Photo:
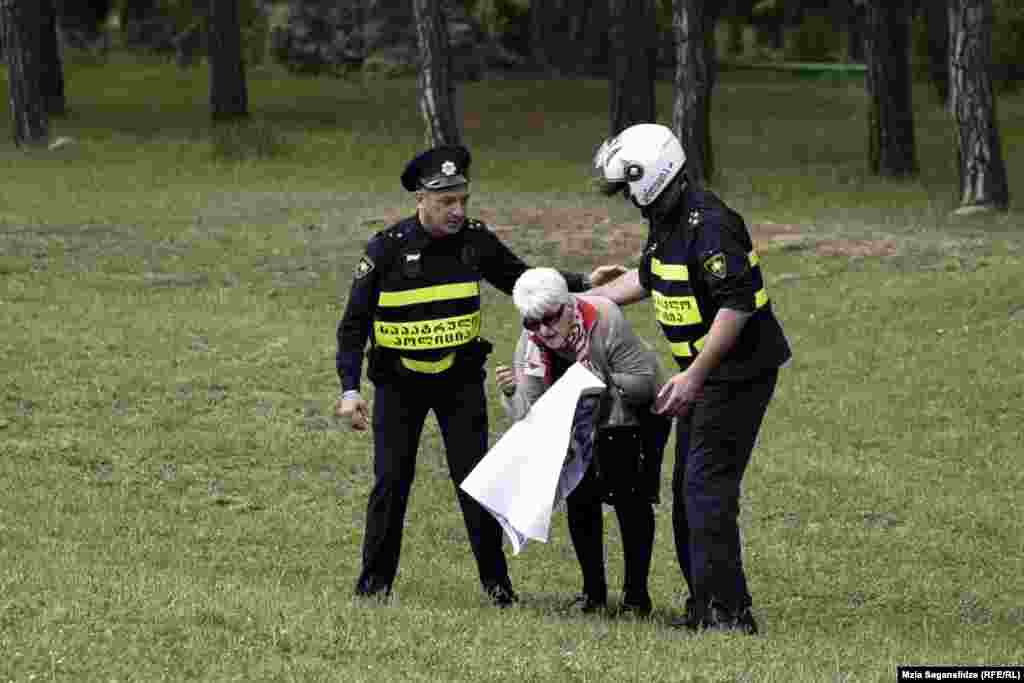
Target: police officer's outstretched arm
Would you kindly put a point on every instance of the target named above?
(353, 331)
(502, 268)
(623, 290)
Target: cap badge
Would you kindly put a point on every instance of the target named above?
(448, 168)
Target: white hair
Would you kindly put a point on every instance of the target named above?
(538, 291)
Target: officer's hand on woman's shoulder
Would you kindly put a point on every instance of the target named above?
(605, 274)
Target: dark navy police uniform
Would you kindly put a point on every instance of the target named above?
(416, 299)
(697, 260)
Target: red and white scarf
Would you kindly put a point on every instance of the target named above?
(538, 357)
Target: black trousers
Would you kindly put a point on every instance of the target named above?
(399, 411)
(635, 512)
(713, 446)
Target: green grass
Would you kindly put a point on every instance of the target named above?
(177, 503)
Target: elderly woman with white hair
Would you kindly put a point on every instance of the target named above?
(561, 329)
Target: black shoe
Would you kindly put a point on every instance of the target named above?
(720, 619)
(501, 596)
(372, 590)
(585, 604)
(639, 609)
(691, 621)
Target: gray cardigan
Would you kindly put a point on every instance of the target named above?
(622, 360)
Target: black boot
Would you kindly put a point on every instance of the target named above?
(586, 604)
(691, 620)
(501, 595)
(741, 621)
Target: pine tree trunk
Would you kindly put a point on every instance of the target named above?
(632, 35)
(691, 115)
(138, 19)
(21, 23)
(855, 34)
(51, 68)
(891, 148)
(983, 178)
(229, 98)
(594, 49)
(436, 85)
(540, 30)
(936, 18)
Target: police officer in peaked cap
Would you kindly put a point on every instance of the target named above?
(713, 307)
(415, 298)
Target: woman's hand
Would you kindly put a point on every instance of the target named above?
(505, 378)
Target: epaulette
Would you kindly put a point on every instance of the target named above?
(705, 206)
(397, 232)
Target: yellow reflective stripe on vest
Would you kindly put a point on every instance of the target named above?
(687, 349)
(458, 290)
(676, 310)
(761, 298)
(431, 367)
(675, 272)
(428, 334)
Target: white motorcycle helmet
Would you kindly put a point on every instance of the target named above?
(641, 160)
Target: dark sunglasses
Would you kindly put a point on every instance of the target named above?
(533, 324)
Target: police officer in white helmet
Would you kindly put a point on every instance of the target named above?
(705, 280)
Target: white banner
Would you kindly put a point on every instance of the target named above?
(524, 477)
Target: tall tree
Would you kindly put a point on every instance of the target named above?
(21, 22)
(541, 29)
(983, 179)
(51, 68)
(694, 83)
(229, 98)
(891, 148)
(139, 22)
(436, 85)
(593, 47)
(936, 19)
(632, 37)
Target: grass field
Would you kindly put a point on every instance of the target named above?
(177, 503)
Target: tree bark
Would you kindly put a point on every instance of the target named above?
(632, 35)
(541, 21)
(891, 148)
(856, 39)
(594, 48)
(936, 18)
(229, 98)
(21, 22)
(436, 85)
(983, 178)
(694, 82)
(51, 68)
(138, 19)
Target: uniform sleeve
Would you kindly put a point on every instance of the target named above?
(724, 263)
(502, 268)
(631, 363)
(355, 326)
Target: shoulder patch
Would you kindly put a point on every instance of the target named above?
(716, 265)
(363, 268)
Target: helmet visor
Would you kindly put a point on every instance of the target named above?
(607, 175)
